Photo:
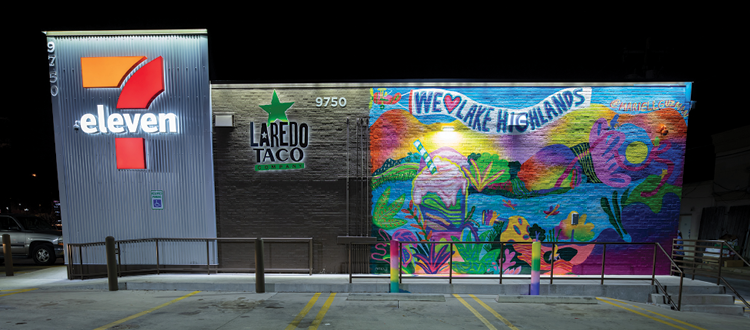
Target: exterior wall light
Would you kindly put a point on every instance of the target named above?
(223, 119)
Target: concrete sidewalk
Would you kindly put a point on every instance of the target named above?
(619, 287)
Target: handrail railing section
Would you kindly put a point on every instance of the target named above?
(72, 248)
(659, 287)
(706, 258)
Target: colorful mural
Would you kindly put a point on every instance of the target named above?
(513, 164)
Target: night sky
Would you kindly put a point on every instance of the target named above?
(385, 44)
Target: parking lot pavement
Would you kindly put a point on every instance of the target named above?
(46, 309)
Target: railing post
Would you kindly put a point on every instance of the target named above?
(552, 263)
(450, 264)
(109, 246)
(721, 255)
(157, 256)
(310, 258)
(119, 260)
(502, 255)
(679, 299)
(69, 256)
(653, 266)
(350, 261)
(8, 255)
(604, 254)
(208, 259)
(80, 259)
(260, 279)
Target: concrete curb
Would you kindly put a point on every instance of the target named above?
(395, 297)
(546, 299)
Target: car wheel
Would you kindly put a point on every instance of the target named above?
(43, 255)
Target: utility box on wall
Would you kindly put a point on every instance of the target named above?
(132, 116)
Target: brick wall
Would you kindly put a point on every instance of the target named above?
(309, 202)
(611, 155)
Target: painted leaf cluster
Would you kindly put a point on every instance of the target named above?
(487, 169)
(384, 214)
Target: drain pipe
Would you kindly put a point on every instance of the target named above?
(347, 176)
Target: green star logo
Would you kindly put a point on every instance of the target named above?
(277, 109)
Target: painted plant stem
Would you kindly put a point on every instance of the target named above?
(615, 213)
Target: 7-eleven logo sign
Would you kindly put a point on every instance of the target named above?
(138, 92)
(110, 72)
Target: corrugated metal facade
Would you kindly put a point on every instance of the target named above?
(97, 199)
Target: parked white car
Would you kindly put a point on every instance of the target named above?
(32, 237)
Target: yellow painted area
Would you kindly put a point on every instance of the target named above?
(14, 291)
(145, 312)
(474, 311)
(641, 314)
(100, 72)
(655, 313)
(636, 152)
(304, 312)
(517, 230)
(319, 318)
(498, 316)
(574, 127)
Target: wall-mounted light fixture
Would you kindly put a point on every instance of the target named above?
(223, 119)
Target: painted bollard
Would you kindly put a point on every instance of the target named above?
(394, 266)
(536, 253)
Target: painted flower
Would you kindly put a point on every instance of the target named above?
(489, 217)
(552, 211)
(510, 204)
(579, 232)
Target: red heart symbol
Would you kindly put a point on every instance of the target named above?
(451, 102)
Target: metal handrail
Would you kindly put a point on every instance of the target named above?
(723, 245)
(550, 275)
(158, 269)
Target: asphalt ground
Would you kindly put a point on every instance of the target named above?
(45, 309)
(60, 307)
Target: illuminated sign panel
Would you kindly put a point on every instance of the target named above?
(139, 90)
(281, 143)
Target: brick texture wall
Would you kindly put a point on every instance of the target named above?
(309, 202)
(612, 155)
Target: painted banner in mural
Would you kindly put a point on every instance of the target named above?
(573, 165)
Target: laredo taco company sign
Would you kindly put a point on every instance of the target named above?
(279, 144)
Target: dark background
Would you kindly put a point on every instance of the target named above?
(285, 43)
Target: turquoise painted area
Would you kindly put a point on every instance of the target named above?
(584, 199)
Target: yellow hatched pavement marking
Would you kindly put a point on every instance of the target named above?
(474, 311)
(510, 325)
(304, 312)
(145, 312)
(14, 291)
(641, 314)
(322, 312)
(655, 313)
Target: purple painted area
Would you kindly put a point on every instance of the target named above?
(643, 225)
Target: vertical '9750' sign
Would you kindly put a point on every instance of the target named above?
(53, 70)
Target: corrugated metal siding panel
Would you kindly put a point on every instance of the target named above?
(97, 200)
